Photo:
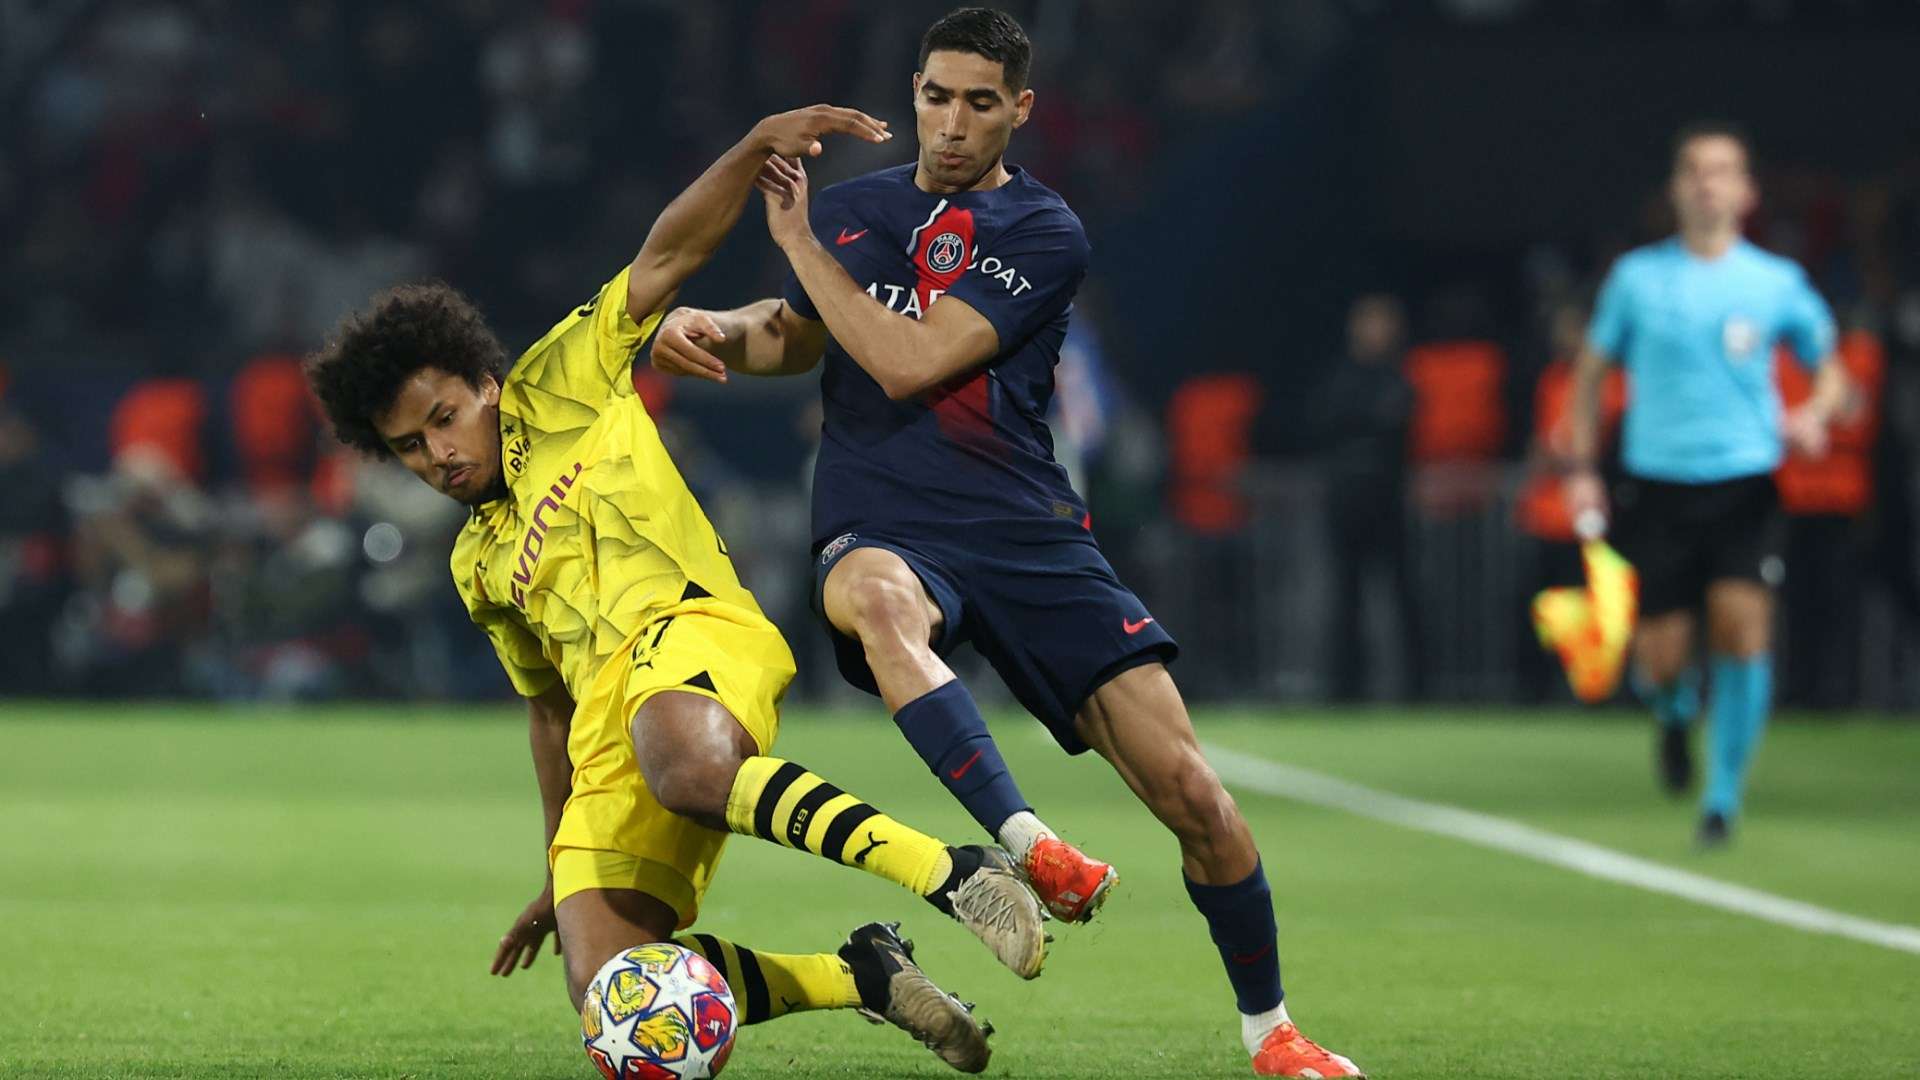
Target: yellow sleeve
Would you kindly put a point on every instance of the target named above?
(589, 355)
(526, 666)
(618, 331)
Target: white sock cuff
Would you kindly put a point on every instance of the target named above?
(1255, 1027)
(1020, 832)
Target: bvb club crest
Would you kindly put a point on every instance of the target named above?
(515, 454)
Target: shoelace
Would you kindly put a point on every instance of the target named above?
(981, 902)
(1300, 1044)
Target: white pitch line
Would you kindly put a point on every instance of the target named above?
(1305, 785)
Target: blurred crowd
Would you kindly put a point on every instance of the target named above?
(191, 194)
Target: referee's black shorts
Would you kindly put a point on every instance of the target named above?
(1682, 537)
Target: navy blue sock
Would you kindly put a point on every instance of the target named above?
(947, 730)
(1240, 921)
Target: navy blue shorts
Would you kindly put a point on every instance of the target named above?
(1044, 608)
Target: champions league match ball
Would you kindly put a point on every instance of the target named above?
(658, 1012)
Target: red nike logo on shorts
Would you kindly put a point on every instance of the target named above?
(1132, 627)
(846, 237)
(962, 770)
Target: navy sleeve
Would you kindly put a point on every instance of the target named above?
(797, 298)
(1027, 277)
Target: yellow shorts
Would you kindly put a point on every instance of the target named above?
(613, 834)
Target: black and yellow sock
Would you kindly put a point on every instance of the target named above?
(779, 801)
(767, 985)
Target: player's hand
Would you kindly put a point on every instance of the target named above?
(784, 183)
(522, 941)
(1586, 499)
(798, 133)
(680, 346)
(1807, 433)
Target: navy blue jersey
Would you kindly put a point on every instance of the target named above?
(977, 448)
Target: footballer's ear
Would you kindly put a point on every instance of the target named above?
(1023, 106)
(489, 388)
(916, 86)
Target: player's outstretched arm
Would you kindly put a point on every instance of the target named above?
(688, 231)
(549, 719)
(764, 338)
(904, 355)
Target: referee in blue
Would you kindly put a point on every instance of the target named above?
(1695, 319)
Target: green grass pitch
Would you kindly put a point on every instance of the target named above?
(198, 892)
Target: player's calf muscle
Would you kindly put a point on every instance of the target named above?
(1187, 796)
(1139, 724)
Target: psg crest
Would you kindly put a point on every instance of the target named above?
(945, 252)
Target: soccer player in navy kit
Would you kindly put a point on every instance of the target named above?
(1694, 319)
(938, 294)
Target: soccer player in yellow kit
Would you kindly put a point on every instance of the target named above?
(653, 679)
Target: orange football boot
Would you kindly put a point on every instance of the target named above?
(1070, 885)
(1288, 1053)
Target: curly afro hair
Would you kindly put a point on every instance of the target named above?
(409, 327)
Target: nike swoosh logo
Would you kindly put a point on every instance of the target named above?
(1132, 627)
(962, 770)
(846, 237)
(1239, 959)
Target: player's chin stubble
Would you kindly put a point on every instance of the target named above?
(495, 489)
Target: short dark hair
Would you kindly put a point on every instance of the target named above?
(986, 32)
(409, 327)
(1712, 129)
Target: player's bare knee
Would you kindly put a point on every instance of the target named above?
(1660, 663)
(887, 611)
(695, 787)
(1742, 641)
(691, 779)
(688, 748)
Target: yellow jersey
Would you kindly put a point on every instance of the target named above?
(597, 532)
